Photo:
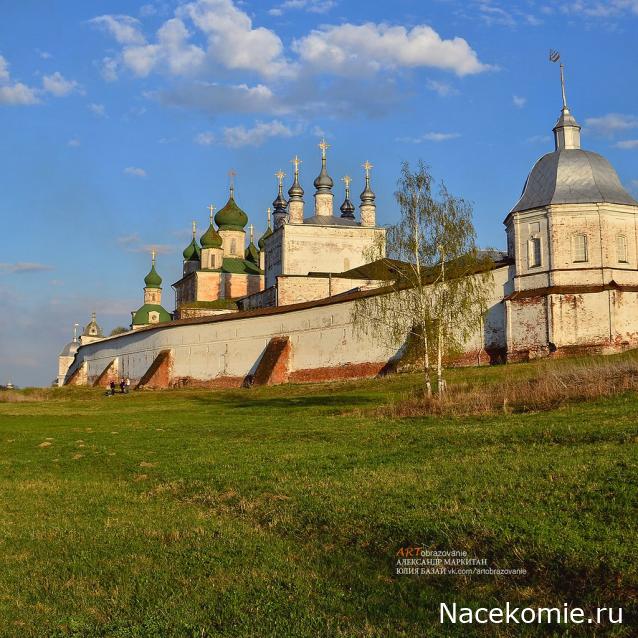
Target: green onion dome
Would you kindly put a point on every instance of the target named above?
(230, 217)
(142, 316)
(211, 238)
(262, 240)
(191, 252)
(252, 254)
(153, 280)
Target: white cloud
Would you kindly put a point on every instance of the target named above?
(312, 6)
(239, 136)
(217, 98)
(18, 94)
(109, 69)
(611, 123)
(22, 267)
(432, 136)
(125, 29)
(45, 55)
(539, 139)
(74, 142)
(600, 8)
(135, 171)
(171, 51)
(99, 110)
(627, 144)
(518, 101)
(58, 85)
(441, 88)
(233, 41)
(4, 69)
(349, 49)
(205, 138)
(147, 10)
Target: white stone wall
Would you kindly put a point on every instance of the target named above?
(321, 337)
(297, 249)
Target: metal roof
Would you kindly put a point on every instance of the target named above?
(572, 176)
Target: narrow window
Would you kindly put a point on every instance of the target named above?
(579, 248)
(534, 248)
(621, 248)
(233, 246)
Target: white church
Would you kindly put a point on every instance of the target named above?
(281, 310)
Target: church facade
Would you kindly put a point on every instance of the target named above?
(281, 310)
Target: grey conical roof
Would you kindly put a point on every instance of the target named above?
(572, 176)
(368, 196)
(295, 192)
(323, 182)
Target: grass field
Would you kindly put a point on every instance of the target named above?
(278, 511)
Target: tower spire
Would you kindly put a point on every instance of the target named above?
(280, 204)
(567, 129)
(268, 212)
(347, 208)
(194, 227)
(232, 174)
(211, 210)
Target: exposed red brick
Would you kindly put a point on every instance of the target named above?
(273, 365)
(75, 378)
(219, 383)
(348, 371)
(107, 375)
(159, 373)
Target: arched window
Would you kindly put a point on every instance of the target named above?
(621, 248)
(534, 252)
(212, 261)
(579, 248)
(233, 247)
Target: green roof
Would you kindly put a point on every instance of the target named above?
(153, 280)
(191, 252)
(231, 217)
(218, 304)
(238, 266)
(211, 238)
(141, 316)
(263, 238)
(252, 254)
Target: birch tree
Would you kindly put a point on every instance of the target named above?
(439, 292)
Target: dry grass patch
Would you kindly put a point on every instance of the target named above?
(550, 388)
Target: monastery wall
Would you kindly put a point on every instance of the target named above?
(224, 350)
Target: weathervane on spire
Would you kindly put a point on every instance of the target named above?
(211, 210)
(231, 175)
(554, 56)
(323, 145)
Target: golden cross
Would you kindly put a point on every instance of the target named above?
(323, 145)
(280, 176)
(346, 179)
(296, 161)
(153, 253)
(211, 208)
(194, 228)
(367, 166)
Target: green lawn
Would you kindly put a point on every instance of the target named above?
(278, 512)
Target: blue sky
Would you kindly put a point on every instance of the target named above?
(120, 121)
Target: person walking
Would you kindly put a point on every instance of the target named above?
(122, 385)
(112, 386)
(128, 385)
